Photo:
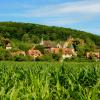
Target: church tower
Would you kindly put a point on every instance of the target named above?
(69, 42)
(41, 42)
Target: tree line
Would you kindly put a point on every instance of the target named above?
(28, 32)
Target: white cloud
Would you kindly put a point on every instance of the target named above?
(68, 13)
(80, 7)
(84, 7)
(60, 21)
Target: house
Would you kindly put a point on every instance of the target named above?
(68, 53)
(59, 45)
(34, 53)
(93, 54)
(47, 45)
(17, 53)
(65, 45)
(65, 48)
(69, 42)
(8, 46)
(65, 52)
(55, 50)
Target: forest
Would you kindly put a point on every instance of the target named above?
(24, 36)
(30, 32)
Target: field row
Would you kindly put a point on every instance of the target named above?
(49, 81)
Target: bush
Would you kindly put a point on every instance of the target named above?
(77, 59)
(5, 54)
(21, 58)
(46, 57)
(49, 57)
(56, 57)
(24, 46)
(40, 48)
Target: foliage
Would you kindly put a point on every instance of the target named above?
(4, 42)
(26, 38)
(80, 50)
(40, 48)
(24, 46)
(49, 81)
(49, 57)
(5, 54)
(34, 39)
(56, 57)
(21, 58)
(46, 57)
(34, 32)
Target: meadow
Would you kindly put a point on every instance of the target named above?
(49, 80)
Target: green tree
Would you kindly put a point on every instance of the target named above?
(80, 50)
(34, 39)
(4, 42)
(5, 54)
(56, 57)
(46, 57)
(26, 38)
(40, 48)
(89, 44)
(25, 46)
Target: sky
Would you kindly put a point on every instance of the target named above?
(76, 14)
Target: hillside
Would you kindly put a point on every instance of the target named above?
(35, 32)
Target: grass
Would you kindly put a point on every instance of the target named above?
(49, 81)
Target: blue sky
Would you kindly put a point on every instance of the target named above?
(77, 14)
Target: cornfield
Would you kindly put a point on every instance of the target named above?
(49, 81)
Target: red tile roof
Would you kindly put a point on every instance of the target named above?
(67, 51)
(33, 52)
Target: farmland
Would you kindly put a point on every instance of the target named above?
(49, 80)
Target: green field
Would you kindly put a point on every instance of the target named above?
(49, 81)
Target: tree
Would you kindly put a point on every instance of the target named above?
(26, 38)
(80, 50)
(46, 57)
(89, 44)
(40, 48)
(25, 46)
(5, 54)
(56, 57)
(34, 39)
(4, 42)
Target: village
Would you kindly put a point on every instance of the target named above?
(66, 49)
